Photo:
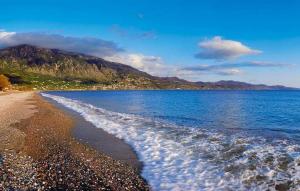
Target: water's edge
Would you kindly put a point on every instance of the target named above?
(85, 132)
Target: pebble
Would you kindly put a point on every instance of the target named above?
(62, 163)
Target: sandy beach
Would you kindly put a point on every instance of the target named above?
(40, 150)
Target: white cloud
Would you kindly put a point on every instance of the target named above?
(151, 64)
(141, 61)
(6, 35)
(230, 72)
(86, 45)
(221, 49)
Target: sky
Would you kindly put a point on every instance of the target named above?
(256, 41)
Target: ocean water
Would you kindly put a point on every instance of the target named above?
(202, 140)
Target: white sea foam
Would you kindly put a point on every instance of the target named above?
(182, 158)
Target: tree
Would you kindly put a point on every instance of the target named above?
(4, 82)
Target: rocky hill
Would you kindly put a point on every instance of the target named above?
(34, 67)
(43, 68)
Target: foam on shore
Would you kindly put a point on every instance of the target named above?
(184, 158)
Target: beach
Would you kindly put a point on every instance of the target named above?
(44, 147)
(86, 133)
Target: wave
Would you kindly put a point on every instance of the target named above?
(182, 158)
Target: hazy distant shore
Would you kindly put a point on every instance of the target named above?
(38, 150)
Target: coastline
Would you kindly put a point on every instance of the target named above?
(86, 133)
(48, 155)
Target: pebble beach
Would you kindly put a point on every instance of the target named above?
(39, 152)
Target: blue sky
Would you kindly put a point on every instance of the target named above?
(195, 40)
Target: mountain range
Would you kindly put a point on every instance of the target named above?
(31, 67)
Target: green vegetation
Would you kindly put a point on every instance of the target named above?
(23, 77)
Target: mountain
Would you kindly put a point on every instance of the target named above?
(235, 85)
(31, 67)
(42, 68)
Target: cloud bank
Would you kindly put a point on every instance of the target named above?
(86, 45)
(231, 68)
(218, 48)
(250, 64)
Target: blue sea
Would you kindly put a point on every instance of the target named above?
(202, 140)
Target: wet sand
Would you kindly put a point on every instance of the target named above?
(50, 158)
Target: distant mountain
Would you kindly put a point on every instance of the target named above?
(232, 85)
(41, 68)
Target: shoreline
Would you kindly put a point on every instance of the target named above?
(50, 157)
(86, 133)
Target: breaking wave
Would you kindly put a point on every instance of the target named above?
(184, 158)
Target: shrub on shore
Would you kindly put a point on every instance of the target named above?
(4, 82)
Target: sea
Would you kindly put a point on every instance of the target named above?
(201, 140)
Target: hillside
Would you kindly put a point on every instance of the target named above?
(41, 68)
(32, 67)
